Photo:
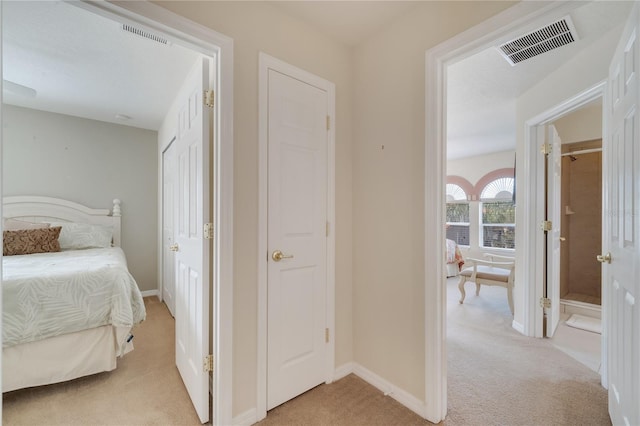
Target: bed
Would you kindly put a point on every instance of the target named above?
(454, 260)
(67, 313)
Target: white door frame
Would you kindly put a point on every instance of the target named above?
(161, 217)
(534, 133)
(267, 63)
(523, 17)
(208, 42)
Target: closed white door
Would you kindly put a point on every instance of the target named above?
(192, 249)
(621, 277)
(554, 175)
(297, 226)
(169, 173)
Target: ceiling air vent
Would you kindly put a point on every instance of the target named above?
(145, 34)
(540, 41)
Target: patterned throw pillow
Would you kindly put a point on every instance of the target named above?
(28, 241)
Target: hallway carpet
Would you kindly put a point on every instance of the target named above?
(496, 377)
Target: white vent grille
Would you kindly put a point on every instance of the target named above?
(145, 34)
(536, 43)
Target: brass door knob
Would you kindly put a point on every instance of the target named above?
(278, 256)
(604, 259)
(174, 247)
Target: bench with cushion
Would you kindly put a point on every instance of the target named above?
(496, 271)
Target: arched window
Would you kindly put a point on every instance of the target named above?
(498, 214)
(457, 214)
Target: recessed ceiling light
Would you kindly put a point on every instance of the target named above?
(123, 117)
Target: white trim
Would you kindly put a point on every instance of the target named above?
(517, 326)
(267, 62)
(534, 162)
(344, 370)
(534, 190)
(520, 18)
(403, 397)
(245, 419)
(209, 42)
(149, 293)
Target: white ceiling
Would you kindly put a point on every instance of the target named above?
(85, 65)
(482, 89)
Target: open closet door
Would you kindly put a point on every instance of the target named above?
(192, 248)
(621, 227)
(554, 174)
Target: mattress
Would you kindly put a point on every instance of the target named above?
(51, 294)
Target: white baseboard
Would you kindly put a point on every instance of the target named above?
(149, 293)
(343, 371)
(400, 395)
(245, 419)
(518, 327)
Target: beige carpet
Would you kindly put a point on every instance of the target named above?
(348, 402)
(145, 389)
(499, 377)
(496, 377)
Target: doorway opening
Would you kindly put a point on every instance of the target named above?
(205, 41)
(574, 240)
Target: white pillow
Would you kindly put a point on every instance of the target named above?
(76, 236)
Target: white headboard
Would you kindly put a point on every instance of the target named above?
(42, 209)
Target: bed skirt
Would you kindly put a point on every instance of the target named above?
(61, 358)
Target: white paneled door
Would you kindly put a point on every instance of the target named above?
(169, 174)
(621, 260)
(554, 174)
(297, 242)
(191, 248)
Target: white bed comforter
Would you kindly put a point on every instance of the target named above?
(50, 294)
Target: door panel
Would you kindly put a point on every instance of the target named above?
(297, 217)
(621, 277)
(192, 257)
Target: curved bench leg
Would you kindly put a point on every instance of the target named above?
(463, 279)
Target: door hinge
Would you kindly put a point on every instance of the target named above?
(208, 363)
(326, 335)
(208, 231)
(545, 303)
(209, 97)
(545, 149)
(546, 225)
(328, 122)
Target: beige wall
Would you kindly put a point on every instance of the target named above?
(582, 125)
(89, 162)
(389, 188)
(255, 27)
(380, 95)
